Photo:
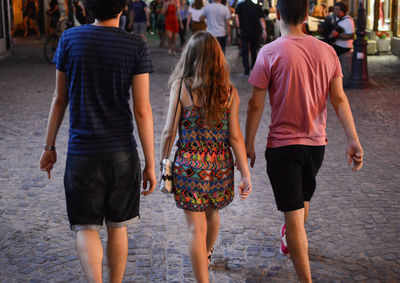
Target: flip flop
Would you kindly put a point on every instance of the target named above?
(209, 256)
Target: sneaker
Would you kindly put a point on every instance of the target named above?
(284, 249)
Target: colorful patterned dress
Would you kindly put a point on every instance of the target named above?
(203, 169)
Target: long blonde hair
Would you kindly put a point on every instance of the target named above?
(202, 64)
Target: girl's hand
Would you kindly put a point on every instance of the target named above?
(245, 187)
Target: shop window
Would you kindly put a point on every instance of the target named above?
(370, 14)
(385, 11)
(398, 19)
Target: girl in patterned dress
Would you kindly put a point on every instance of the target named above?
(207, 117)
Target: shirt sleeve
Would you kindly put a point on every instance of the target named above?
(204, 12)
(228, 13)
(338, 68)
(260, 75)
(260, 12)
(143, 60)
(348, 25)
(60, 57)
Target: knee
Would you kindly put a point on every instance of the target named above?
(198, 230)
(116, 231)
(212, 214)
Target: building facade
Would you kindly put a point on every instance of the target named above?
(5, 28)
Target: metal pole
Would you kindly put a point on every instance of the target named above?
(359, 70)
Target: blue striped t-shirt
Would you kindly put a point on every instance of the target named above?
(100, 63)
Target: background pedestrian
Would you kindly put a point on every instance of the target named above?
(299, 71)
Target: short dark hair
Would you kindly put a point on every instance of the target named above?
(293, 12)
(105, 9)
(342, 6)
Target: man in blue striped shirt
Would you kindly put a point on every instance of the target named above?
(97, 65)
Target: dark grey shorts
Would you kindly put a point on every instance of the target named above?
(140, 27)
(102, 187)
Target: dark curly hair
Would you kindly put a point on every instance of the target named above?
(105, 9)
(342, 6)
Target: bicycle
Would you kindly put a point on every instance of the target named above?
(51, 43)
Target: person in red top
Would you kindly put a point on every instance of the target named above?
(299, 72)
(171, 23)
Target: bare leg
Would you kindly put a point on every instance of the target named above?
(36, 28)
(117, 252)
(173, 43)
(212, 227)
(90, 251)
(298, 243)
(306, 210)
(169, 40)
(26, 26)
(197, 223)
(162, 38)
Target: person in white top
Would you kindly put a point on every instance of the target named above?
(344, 30)
(194, 21)
(218, 16)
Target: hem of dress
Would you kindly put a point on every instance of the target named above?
(205, 208)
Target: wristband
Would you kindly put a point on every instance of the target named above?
(49, 147)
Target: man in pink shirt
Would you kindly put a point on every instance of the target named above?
(298, 71)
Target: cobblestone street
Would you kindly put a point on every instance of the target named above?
(353, 228)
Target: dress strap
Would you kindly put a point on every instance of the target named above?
(228, 101)
(189, 92)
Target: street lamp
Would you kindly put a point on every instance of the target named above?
(359, 70)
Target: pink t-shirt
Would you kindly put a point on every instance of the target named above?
(297, 71)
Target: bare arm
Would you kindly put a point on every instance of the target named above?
(147, 11)
(255, 109)
(165, 7)
(264, 28)
(228, 30)
(56, 116)
(237, 143)
(336, 34)
(347, 35)
(171, 123)
(341, 105)
(144, 121)
(189, 19)
(179, 15)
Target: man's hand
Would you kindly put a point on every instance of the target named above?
(355, 154)
(334, 34)
(149, 177)
(49, 157)
(264, 35)
(245, 187)
(251, 154)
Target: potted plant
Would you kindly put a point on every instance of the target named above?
(383, 41)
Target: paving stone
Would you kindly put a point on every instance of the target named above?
(353, 228)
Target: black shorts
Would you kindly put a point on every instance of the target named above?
(102, 186)
(53, 22)
(292, 170)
